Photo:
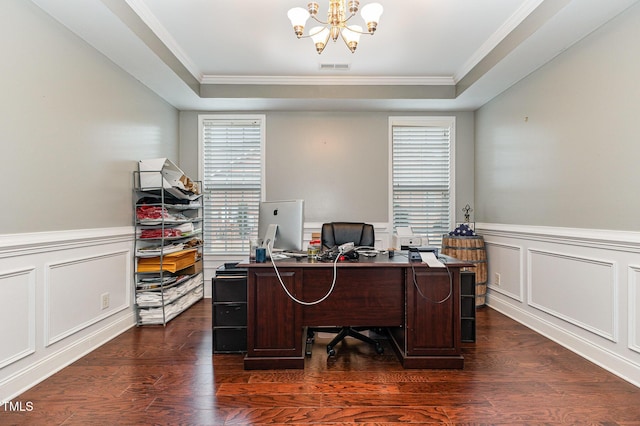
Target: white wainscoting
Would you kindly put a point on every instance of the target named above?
(579, 287)
(51, 286)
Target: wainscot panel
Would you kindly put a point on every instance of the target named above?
(555, 279)
(17, 314)
(634, 308)
(71, 305)
(509, 260)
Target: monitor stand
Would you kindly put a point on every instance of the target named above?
(270, 238)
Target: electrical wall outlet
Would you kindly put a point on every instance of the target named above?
(104, 299)
(496, 278)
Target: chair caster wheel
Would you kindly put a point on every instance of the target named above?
(331, 351)
(379, 349)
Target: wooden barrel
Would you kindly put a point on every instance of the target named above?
(472, 250)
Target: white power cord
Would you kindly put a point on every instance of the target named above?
(291, 296)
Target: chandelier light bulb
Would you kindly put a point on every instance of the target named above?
(351, 36)
(371, 14)
(320, 37)
(298, 17)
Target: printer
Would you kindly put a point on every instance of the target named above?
(403, 238)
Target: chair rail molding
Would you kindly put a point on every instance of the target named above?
(38, 242)
(582, 236)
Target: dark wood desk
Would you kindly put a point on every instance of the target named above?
(370, 292)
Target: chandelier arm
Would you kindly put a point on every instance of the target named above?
(315, 18)
(347, 19)
(311, 35)
(319, 21)
(359, 32)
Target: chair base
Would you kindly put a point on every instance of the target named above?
(342, 333)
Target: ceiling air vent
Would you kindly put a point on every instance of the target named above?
(335, 67)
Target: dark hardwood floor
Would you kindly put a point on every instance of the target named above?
(156, 375)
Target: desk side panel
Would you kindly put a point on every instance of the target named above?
(433, 312)
(275, 328)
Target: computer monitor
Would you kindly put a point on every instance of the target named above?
(285, 219)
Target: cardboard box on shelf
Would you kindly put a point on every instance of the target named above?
(193, 269)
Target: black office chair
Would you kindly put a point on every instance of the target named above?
(335, 234)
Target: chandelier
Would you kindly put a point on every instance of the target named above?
(336, 24)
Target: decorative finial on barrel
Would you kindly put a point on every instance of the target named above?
(467, 209)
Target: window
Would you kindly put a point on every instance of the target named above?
(422, 171)
(231, 164)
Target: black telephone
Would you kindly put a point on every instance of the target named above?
(414, 255)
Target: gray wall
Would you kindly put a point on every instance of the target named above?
(72, 127)
(336, 161)
(561, 148)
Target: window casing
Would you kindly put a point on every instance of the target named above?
(422, 175)
(232, 170)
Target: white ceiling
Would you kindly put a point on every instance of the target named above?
(243, 55)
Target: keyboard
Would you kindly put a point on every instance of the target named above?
(295, 253)
(278, 256)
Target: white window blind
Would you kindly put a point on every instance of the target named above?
(422, 176)
(232, 179)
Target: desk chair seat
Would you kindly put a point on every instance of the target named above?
(334, 234)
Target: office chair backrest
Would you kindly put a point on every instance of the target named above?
(337, 233)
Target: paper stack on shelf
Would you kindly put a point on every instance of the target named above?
(157, 250)
(155, 298)
(170, 262)
(159, 316)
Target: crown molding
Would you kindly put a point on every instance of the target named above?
(501, 34)
(329, 80)
(151, 21)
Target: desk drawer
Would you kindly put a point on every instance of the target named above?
(230, 289)
(229, 340)
(230, 314)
